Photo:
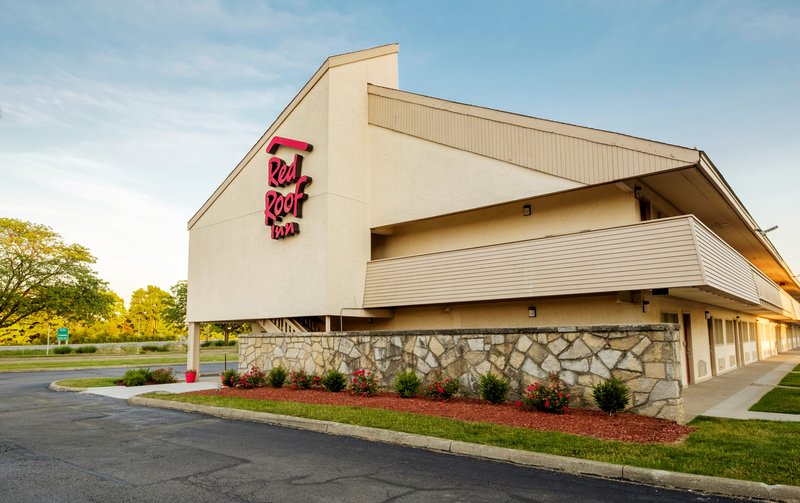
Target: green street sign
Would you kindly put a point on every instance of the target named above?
(63, 334)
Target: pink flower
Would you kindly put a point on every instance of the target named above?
(439, 389)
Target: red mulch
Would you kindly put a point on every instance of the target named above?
(624, 427)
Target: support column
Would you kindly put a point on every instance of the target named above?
(193, 354)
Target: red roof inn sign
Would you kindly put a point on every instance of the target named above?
(280, 174)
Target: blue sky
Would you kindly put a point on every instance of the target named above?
(118, 119)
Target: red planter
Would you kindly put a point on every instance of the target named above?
(191, 376)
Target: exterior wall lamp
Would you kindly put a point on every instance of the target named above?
(527, 210)
(531, 311)
(645, 306)
(708, 315)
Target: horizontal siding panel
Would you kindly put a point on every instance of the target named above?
(724, 268)
(651, 255)
(558, 154)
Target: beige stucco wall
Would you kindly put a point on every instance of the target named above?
(413, 179)
(564, 213)
(237, 272)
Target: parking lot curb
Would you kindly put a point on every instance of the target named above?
(673, 480)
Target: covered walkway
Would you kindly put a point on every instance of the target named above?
(731, 394)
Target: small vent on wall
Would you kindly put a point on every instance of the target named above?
(702, 368)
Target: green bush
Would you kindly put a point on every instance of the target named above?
(230, 378)
(612, 395)
(277, 376)
(205, 344)
(149, 347)
(136, 377)
(492, 388)
(407, 384)
(62, 350)
(442, 388)
(334, 381)
(162, 376)
(86, 349)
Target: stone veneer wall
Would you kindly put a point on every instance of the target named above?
(646, 357)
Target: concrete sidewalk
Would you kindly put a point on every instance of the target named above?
(124, 393)
(731, 394)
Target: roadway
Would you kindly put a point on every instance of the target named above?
(69, 447)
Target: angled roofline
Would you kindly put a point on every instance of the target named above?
(331, 62)
(602, 136)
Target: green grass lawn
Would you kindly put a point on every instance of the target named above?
(89, 382)
(94, 361)
(781, 400)
(791, 379)
(796, 369)
(749, 450)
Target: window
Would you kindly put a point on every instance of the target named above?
(669, 318)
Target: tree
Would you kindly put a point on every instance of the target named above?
(175, 312)
(39, 273)
(147, 309)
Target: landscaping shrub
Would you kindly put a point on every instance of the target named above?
(442, 388)
(363, 383)
(149, 347)
(407, 384)
(205, 344)
(334, 381)
(548, 396)
(277, 376)
(162, 376)
(300, 379)
(86, 349)
(492, 388)
(136, 377)
(62, 350)
(612, 395)
(253, 378)
(230, 378)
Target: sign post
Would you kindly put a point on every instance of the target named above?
(63, 334)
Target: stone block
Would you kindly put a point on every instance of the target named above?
(640, 398)
(533, 370)
(345, 345)
(551, 364)
(498, 339)
(624, 343)
(568, 377)
(597, 368)
(577, 350)
(516, 360)
(609, 357)
(475, 357)
(641, 384)
(436, 347)
(475, 344)
(557, 346)
(538, 353)
(594, 342)
(523, 343)
(576, 365)
(655, 370)
(430, 359)
(659, 352)
(639, 348)
(664, 390)
(630, 362)
(483, 367)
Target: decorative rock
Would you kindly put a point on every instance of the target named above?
(516, 360)
(594, 342)
(665, 389)
(577, 350)
(624, 344)
(538, 353)
(609, 357)
(655, 370)
(551, 364)
(557, 346)
(436, 347)
(576, 365)
(639, 348)
(483, 368)
(630, 362)
(531, 369)
(431, 361)
(345, 346)
(567, 377)
(597, 368)
(523, 343)
(475, 344)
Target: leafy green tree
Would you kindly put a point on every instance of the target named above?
(147, 309)
(39, 273)
(175, 313)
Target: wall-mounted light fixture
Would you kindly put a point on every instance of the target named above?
(531, 311)
(708, 315)
(645, 306)
(527, 210)
(765, 231)
(637, 192)
(446, 309)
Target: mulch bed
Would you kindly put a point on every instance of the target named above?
(597, 424)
